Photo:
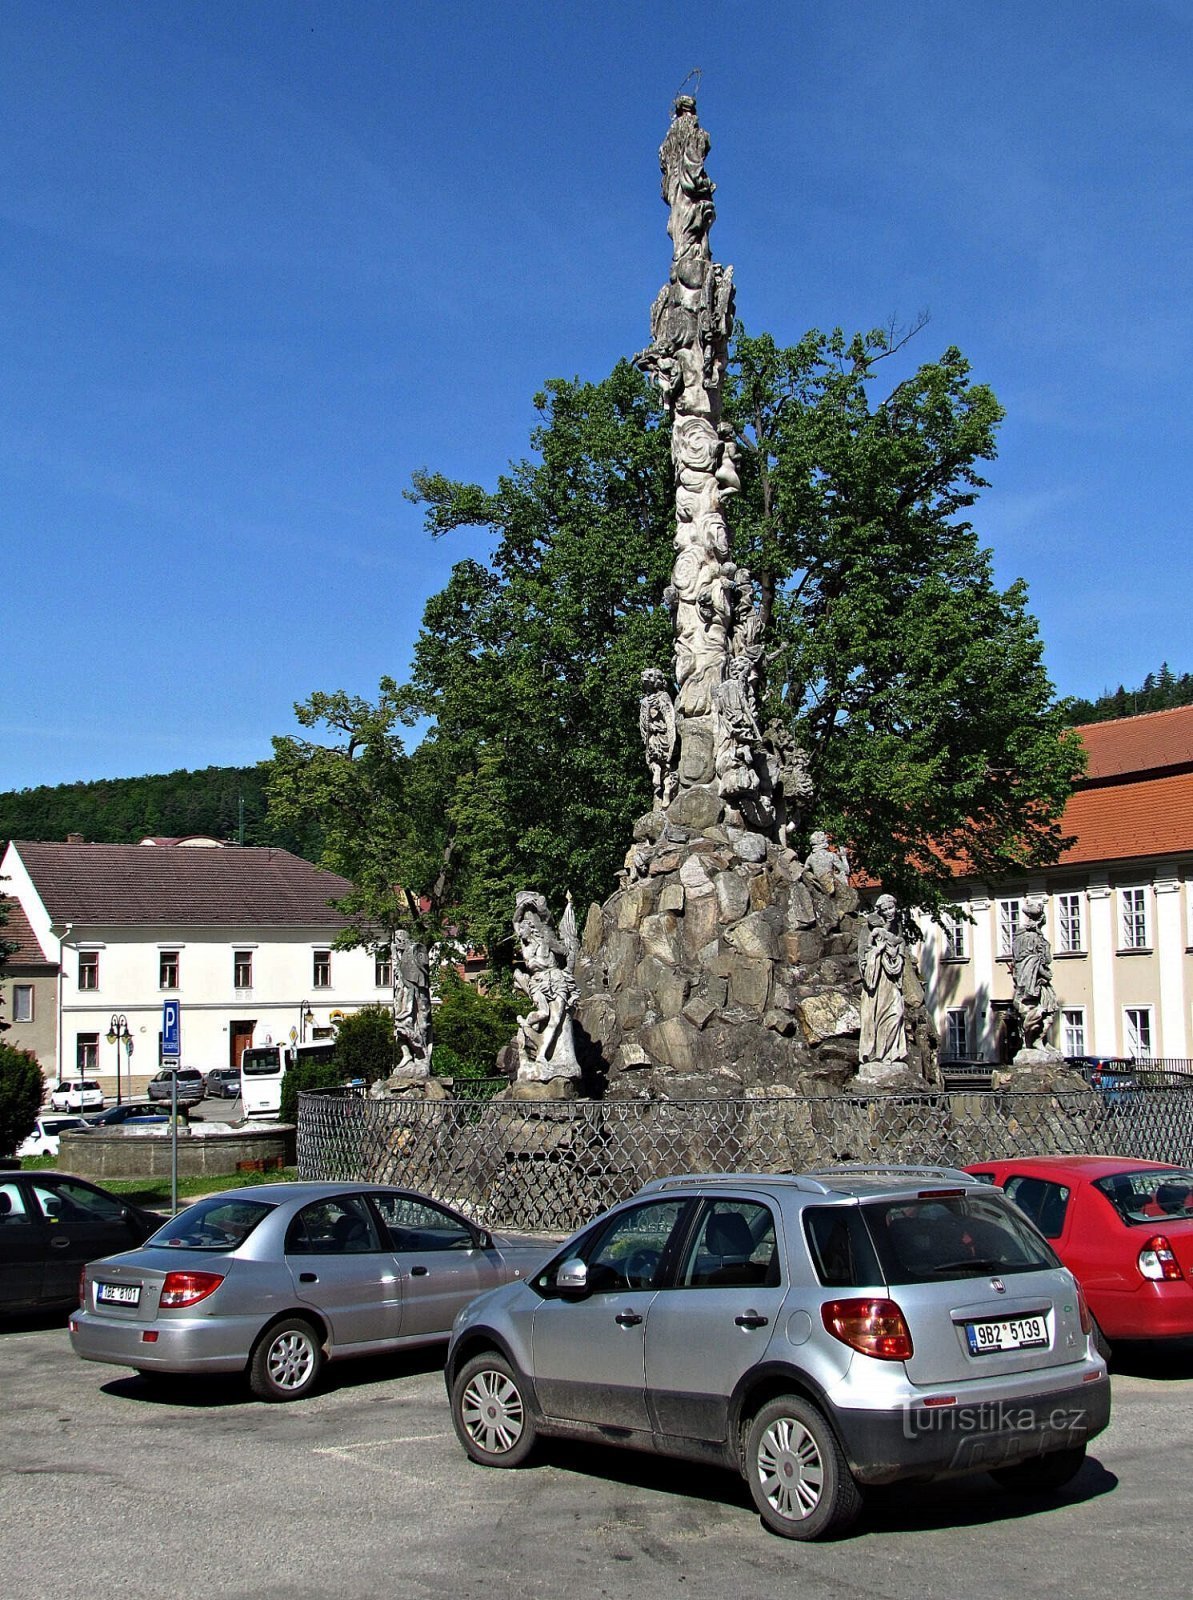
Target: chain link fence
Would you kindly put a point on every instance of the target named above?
(552, 1165)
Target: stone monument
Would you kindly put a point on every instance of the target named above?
(1035, 998)
(546, 1042)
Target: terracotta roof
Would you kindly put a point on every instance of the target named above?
(16, 930)
(1150, 817)
(1153, 742)
(126, 884)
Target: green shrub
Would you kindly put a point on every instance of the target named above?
(470, 1028)
(307, 1075)
(365, 1046)
(21, 1089)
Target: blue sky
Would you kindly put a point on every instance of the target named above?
(260, 261)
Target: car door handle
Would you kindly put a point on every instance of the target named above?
(308, 1277)
(751, 1320)
(59, 1243)
(418, 1272)
(627, 1319)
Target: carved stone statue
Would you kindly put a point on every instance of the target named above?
(790, 777)
(412, 1005)
(828, 865)
(882, 954)
(546, 1046)
(656, 723)
(1031, 955)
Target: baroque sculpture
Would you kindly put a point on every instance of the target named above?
(412, 1006)
(546, 1045)
(1031, 958)
(656, 723)
(828, 865)
(882, 954)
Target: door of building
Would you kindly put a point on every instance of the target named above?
(240, 1036)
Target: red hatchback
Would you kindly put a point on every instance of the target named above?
(1123, 1228)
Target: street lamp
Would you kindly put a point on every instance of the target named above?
(119, 1033)
(305, 1017)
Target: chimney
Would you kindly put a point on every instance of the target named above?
(74, 838)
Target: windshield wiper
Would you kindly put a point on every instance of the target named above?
(979, 1264)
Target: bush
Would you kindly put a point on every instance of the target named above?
(307, 1075)
(365, 1045)
(21, 1089)
(470, 1028)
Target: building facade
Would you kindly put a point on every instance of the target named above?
(242, 938)
(1119, 917)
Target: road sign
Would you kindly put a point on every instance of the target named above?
(171, 1030)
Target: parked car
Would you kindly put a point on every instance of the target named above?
(1123, 1228)
(50, 1225)
(128, 1114)
(77, 1094)
(191, 1087)
(223, 1083)
(275, 1281)
(816, 1333)
(43, 1141)
(1116, 1077)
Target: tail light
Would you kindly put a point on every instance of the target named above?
(1087, 1322)
(83, 1288)
(1156, 1260)
(188, 1288)
(872, 1327)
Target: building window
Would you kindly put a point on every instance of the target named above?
(87, 1054)
(1133, 904)
(22, 1002)
(1137, 1031)
(167, 969)
(88, 969)
(1073, 1032)
(242, 969)
(321, 969)
(956, 1042)
(1009, 917)
(383, 968)
(1070, 927)
(955, 943)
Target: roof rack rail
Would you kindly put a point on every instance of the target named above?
(797, 1180)
(885, 1169)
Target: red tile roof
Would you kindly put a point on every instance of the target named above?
(1150, 743)
(123, 884)
(1151, 817)
(15, 929)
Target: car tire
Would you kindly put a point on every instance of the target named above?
(286, 1361)
(798, 1476)
(490, 1414)
(1043, 1474)
(1101, 1342)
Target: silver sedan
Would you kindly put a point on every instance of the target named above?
(275, 1280)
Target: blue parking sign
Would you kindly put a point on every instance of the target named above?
(171, 1030)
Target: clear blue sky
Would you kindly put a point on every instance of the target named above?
(259, 261)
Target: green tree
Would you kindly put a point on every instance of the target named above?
(365, 1045)
(470, 1027)
(21, 1090)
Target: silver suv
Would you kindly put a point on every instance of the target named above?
(817, 1333)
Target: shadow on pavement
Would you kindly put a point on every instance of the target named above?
(208, 1390)
(35, 1321)
(1160, 1359)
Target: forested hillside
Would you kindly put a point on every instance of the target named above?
(124, 810)
(1159, 692)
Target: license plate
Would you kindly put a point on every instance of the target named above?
(118, 1294)
(1009, 1333)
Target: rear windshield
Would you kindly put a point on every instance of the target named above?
(215, 1224)
(1141, 1197)
(261, 1062)
(969, 1235)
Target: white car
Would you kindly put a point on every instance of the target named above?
(80, 1094)
(43, 1141)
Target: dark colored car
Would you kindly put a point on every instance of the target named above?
(223, 1083)
(191, 1087)
(51, 1225)
(1123, 1228)
(130, 1113)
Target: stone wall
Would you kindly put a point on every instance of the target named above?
(211, 1153)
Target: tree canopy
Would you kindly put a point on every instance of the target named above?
(1159, 691)
(915, 683)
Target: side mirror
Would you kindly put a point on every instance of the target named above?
(482, 1240)
(571, 1277)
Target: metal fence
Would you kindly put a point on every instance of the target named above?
(552, 1165)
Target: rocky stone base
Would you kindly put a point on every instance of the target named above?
(724, 966)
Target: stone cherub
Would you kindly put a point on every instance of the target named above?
(882, 954)
(1031, 958)
(546, 1046)
(827, 865)
(656, 723)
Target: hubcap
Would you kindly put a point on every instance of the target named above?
(790, 1469)
(491, 1411)
(291, 1360)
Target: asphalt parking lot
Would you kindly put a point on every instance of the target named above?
(112, 1485)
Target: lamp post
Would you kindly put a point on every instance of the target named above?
(118, 1034)
(305, 1016)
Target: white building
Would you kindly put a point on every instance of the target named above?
(242, 937)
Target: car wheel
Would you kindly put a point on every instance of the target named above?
(490, 1414)
(286, 1361)
(1043, 1474)
(797, 1474)
(1101, 1342)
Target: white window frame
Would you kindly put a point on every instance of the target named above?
(89, 963)
(1010, 920)
(23, 991)
(383, 968)
(166, 958)
(955, 935)
(1139, 1032)
(956, 1036)
(321, 967)
(1134, 919)
(1072, 1031)
(87, 1054)
(1070, 927)
(242, 959)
